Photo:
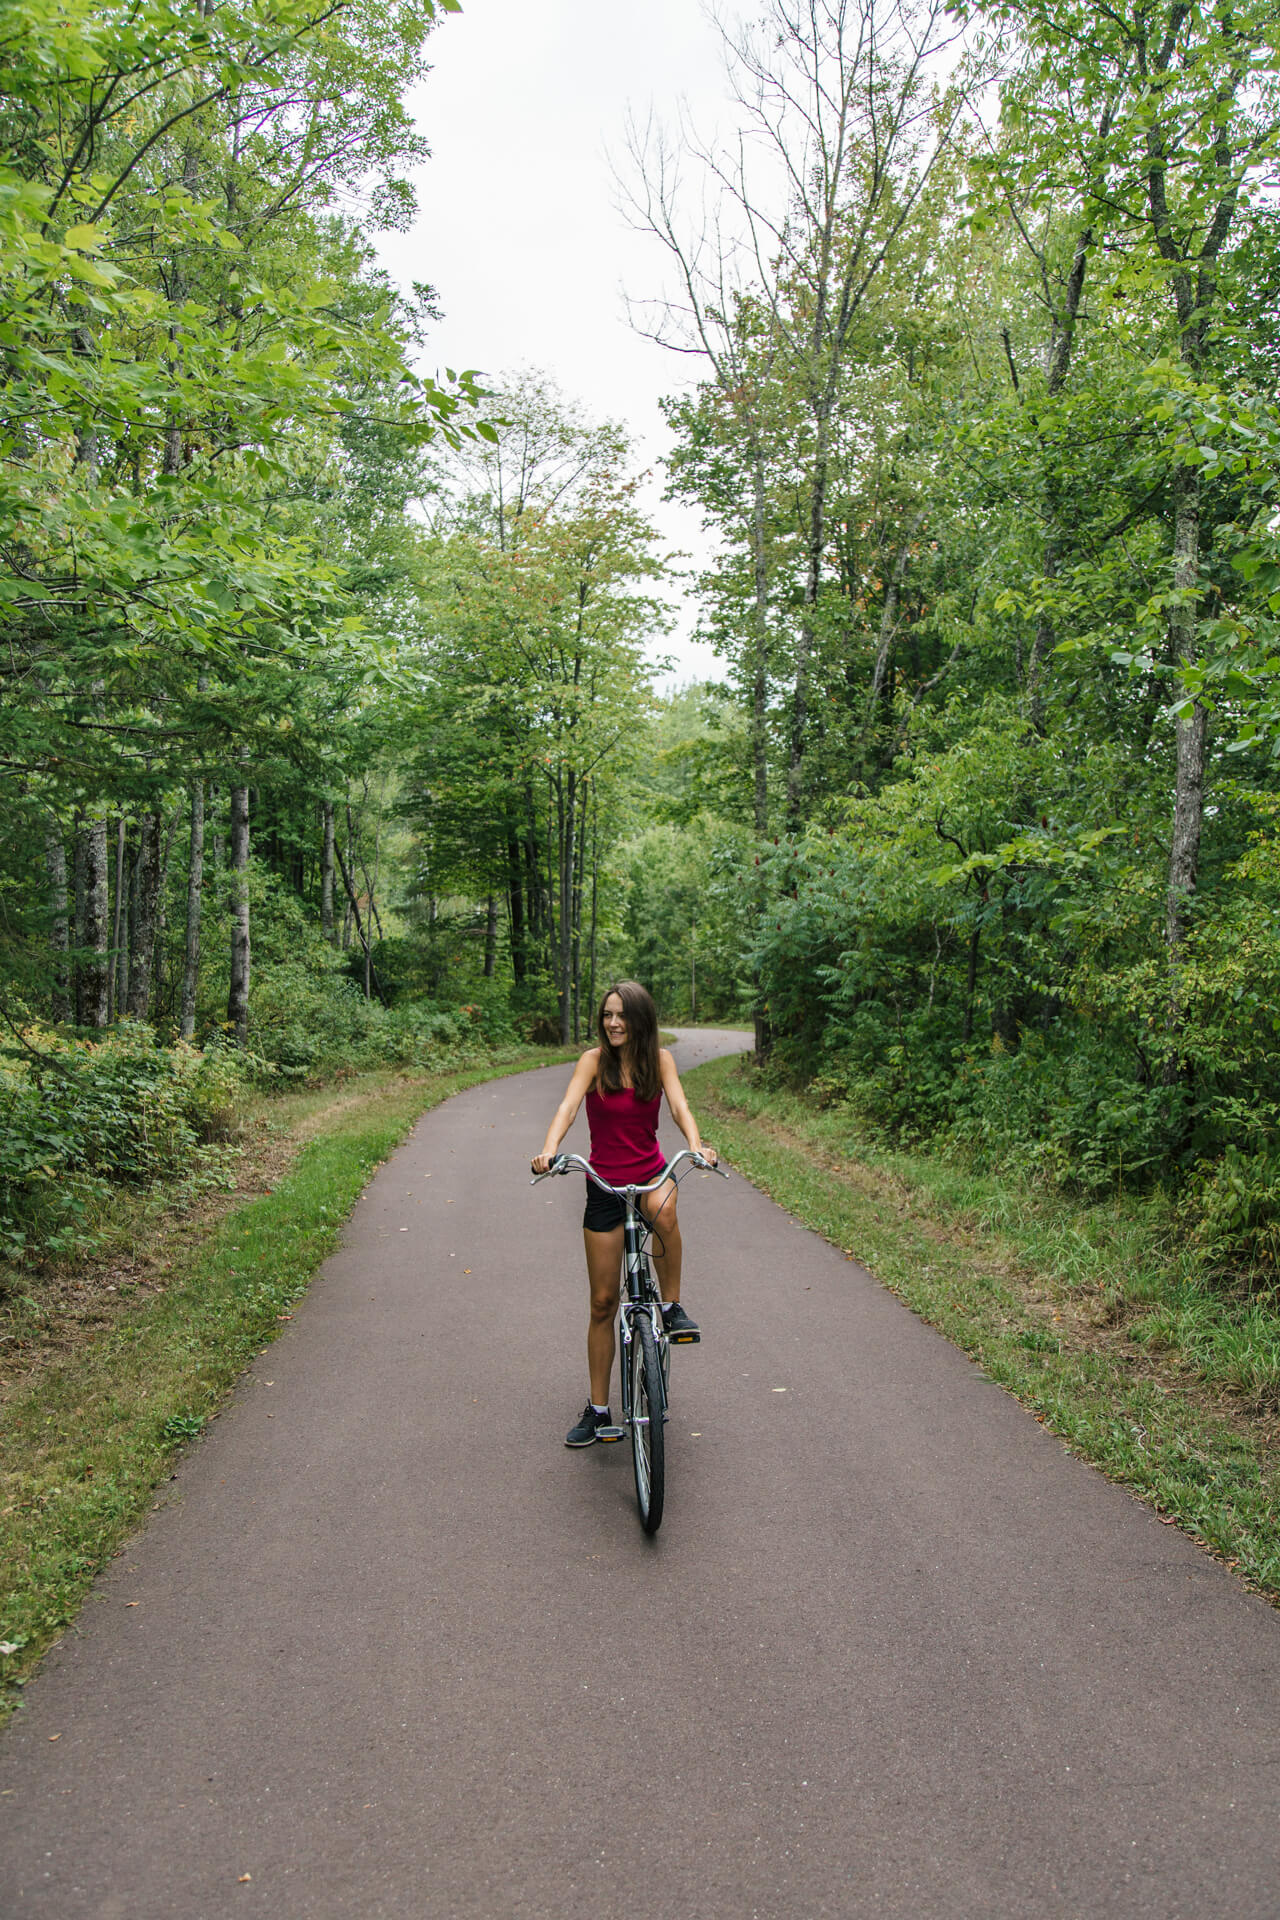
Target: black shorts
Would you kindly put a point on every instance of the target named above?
(603, 1212)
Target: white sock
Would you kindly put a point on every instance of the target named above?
(596, 1409)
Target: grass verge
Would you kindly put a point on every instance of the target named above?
(1058, 1303)
(88, 1438)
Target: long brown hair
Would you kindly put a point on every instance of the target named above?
(641, 1043)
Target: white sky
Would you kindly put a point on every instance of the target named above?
(517, 228)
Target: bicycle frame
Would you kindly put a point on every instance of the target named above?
(639, 1289)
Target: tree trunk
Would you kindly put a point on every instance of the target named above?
(515, 907)
(595, 882)
(759, 705)
(159, 980)
(93, 999)
(760, 662)
(326, 877)
(212, 805)
(807, 635)
(347, 871)
(238, 995)
(195, 879)
(491, 936)
(80, 880)
(579, 876)
(353, 908)
(1188, 796)
(693, 969)
(119, 950)
(971, 982)
(55, 858)
(363, 928)
(564, 986)
(1062, 340)
(888, 629)
(533, 880)
(146, 892)
(548, 898)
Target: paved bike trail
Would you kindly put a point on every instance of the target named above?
(389, 1651)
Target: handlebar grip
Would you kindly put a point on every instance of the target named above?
(557, 1166)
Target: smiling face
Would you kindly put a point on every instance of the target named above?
(627, 1023)
(614, 1022)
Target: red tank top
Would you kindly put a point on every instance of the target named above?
(624, 1136)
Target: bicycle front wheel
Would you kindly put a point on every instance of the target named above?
(646, 1423)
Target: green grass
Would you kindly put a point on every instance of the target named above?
(1097, 1318)
(84, 1447)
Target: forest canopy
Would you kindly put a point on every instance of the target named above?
(327, 715)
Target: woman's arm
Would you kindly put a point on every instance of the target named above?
(680, 1111)
(584, 1075)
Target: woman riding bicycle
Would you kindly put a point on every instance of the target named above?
(623, 1080)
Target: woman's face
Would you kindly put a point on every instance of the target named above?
(614, 1021)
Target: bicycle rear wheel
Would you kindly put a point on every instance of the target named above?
(647, 1452)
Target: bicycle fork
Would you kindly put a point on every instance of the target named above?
(636, 1306)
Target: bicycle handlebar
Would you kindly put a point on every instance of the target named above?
(566, 1162)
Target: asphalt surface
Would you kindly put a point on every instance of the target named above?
(388, 1650)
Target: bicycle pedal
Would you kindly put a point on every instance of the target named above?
(609, 1434)
(683, 1339)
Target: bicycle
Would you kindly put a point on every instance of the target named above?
(643, 1343)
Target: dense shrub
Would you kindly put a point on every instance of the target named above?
(974, 959)
(305, 1022)
(77, 1117)
(1231, 1209)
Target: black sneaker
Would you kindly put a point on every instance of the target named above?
(592, 1426)
(680, 1329)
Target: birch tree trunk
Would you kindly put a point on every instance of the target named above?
(119, 948)
(238, 994)
(92, 975)
(143, 930)
(1188, 795)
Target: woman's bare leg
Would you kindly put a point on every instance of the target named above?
(665, 1246)
(604, 1272)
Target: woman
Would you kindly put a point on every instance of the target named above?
(624, 1079)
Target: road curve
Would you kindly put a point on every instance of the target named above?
(390, 1652)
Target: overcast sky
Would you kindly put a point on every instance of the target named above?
(517, 228)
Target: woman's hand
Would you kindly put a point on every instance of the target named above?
(541, 1162)
(710, 1155)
